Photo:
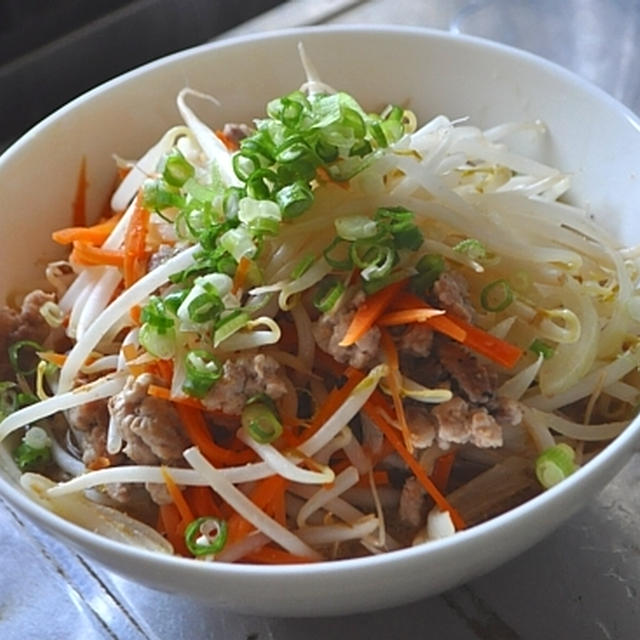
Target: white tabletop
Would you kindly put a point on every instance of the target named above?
(582, 582)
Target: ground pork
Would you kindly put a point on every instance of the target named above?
(245, 376)
(149, 426)
(331, 328)
(26, 324)
(476, 381)
(459, 422)
(416, 341)
(451, 292)
(413, 505)
(89, 423)
(422, 426)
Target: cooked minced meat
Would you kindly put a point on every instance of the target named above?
(416, 341)
(245, 376)
(89, 423)
(331, 328)
(26, 324)
(149, 426)
(475, 380)
(451, 292)
(459, 422)
(413, 505)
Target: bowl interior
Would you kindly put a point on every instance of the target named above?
(589, 136)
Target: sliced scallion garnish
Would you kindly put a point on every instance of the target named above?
(555, 464)
(206, 535)
(496, 296)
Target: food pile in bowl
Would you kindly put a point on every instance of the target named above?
(321, 334)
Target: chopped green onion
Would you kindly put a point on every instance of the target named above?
(555, 464)
(352, 228)
(239, 243)
(206, 535)
(245, 163)
(177, 170)
(472, 248)
(203, 369)
(429, 268)
(158, 195)
(381, 266)
(231, 201)
(205, 306)
(161, 344)
(542, 348)
(261, 422)
(294, 199)
(338, 262)
(21, 351)
(171, 303)
(496, 296)
(34, 451)
(303, 266)
(327, 293)
(156, 314)
(229, 324)
(261, 184)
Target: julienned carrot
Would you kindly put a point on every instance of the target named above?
(370, 310)
(80, 200)
(371, 409)
(272, 555)
(265, 492)
(409, 303)
(334, 401)
(202, 501)
(165, 394)
(479, 340)
(198, 432)
(240, 276)
(86, 254)
(95, 234)
(230, 144)
(176, 495)
(172, 524)
(380, 478)
(391, 354)
(135, 255)
(488, 345)
(54, 358)
(442, 470)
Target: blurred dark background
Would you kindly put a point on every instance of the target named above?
(53, 50)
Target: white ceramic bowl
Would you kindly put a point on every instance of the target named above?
(591, 136)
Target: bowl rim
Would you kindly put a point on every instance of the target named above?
(615, 449)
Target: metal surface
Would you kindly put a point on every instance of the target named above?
(581, 582)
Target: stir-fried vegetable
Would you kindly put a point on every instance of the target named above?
(325, 333)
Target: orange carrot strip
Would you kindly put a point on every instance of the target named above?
(479, 340)
(442, 470)
(202, 501)
(241, 273)
(171, 522)
(165, 370)
(391, 354)
(334, 400)
(135, 256)
(176, 495)
(96, 234)
(380, 477)
(262, 494)
(230, 144)
(54, 358)
(370, 310)
(272, 555)
(371, 410)
(87, 254)
(165, 394)
(441, 323)
(496, 349)
(80, 201)
(198, 432)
